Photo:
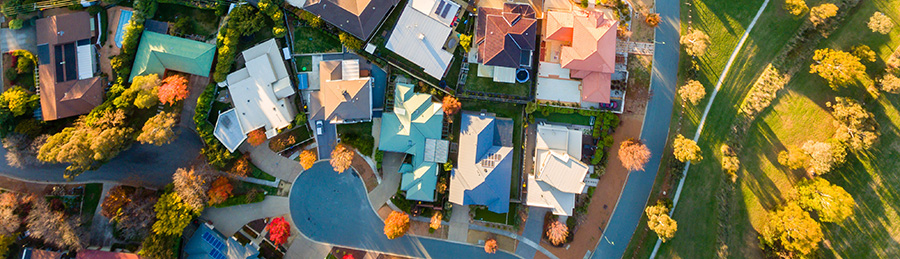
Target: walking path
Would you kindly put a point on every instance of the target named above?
(706, 112)
(271, 162)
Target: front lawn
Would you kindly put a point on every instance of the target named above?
(357, 135)
(90, 200)
(257, 173)
(572, 118)
(487, 84)
(508, 218)
(315, 40)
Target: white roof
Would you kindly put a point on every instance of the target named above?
(419, 38)
(504, 74)
(559, 174)
(541, 194)
(441, 10)
(228, 130)
(253, 90)
(436, 150)
(556, 89)
(85, 61)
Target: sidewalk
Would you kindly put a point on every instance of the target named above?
(272, 163)
(390, 181)
(532, 231)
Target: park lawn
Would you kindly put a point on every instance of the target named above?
(503, 110)
(572, 118)
(205, 22)
(487, 84)
(315, 40)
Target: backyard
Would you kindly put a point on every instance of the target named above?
(315, 40)
(571, 118)
(487, 84)
(304, 63)
(189, 20)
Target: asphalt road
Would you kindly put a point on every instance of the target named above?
(141, 165)
(332, 208)
(654, 133)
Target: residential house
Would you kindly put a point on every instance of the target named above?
(32, 253)
(558, 171)
(422, 32)
(360, 18)
(505, 39)
(96, 254)
(158, 53)
(344, 96)
(67, 64)
(414, 127)
(207, 242)
(261, 94)
(484, 166)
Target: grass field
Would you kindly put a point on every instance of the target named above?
(315, 40)
(487, 84)
(797, 115)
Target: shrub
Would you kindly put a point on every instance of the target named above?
(795, 7)
(396, 225)
(652, 19)
(16, 24)
(350, 41)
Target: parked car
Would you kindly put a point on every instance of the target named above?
(319, 126)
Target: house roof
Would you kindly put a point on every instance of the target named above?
(415, 121)
(591, 55)
(419, 36)
(228, 130)
(357, 17)
(484, 169)
(158, 52)
(31, 253)
(503, 36)
(206, 242)
(66, 66)
(559, 174)
(94, 254)
(260, 92)
(343, 96)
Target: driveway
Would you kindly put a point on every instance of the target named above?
(654, 133)
(332, 208)
(533, 228)
(327, 140)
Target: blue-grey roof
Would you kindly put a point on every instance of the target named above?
(228, 130)
(209, 243)
(484, 169)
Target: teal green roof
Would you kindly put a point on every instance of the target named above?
(158, 52)
(415, 118)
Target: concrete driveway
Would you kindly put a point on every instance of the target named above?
(327, 140)
(332, 208)
(18, 39)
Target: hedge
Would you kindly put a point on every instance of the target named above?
(216, 155)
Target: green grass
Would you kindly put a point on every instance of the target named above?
(304, 63)
(217, 107)
(91, 199)
(203, 22)
(573, 118)
(502, 218)
(315, 40)
(505, 110)
(358, 135)
(259, 174)
(487, 84)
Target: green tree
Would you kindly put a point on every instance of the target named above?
(93, 139)
(686, 150)
(864, 53)
(830, 202)
(18, 100)
(16, 24)
(5, 242)
(855, 126)
(159, 246)
(146, 88)
(792, 232)
(172, 215)
(659, 221)
(837, 67)
(245, 20)
(820, 13)
(880, 23)
(158, 129)
(311, 19)
(795, 7)
(350, 41)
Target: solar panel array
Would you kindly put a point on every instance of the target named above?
(217, 244)
(443, 9)
(215, 254)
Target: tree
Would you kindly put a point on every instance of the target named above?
(350, 41)
(792, 159)
(795, 7)
(490, 246)
(279, 231)
(245, 20)
(190, 186)
(792, 230)
(220, 190)
(837, 67)
(396, 225)
(159, 246)
(880, 23)
(451, 105)
(241, 167)
(308, 158)
(465, 41)
(116, 198)
(686, 150)
(53, 227)
(820, 13)
(341, 158)
(823, 156)
(172, 215)
(695, 42)
(830, 202)
(311, 19)
(144, 89)
(864, 53)
(18, 100)
(6, 240)
(855, 126)
(9, 221)
(890, 83)
(136, 218)
(659, 221)
(94, 139)
(173, 89)
(692, 92)
(557, 232)
(16, 24)
(652, 19)
(634, 154)
(436, 220)
(158, 129)
(256, 137)
(22, 151)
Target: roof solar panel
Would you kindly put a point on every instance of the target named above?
(446, 10)
(212, 241)
(60, 73)
(71, 61)
(44, 54)
(216, 254)
(440, 8)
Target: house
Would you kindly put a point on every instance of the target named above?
(360, 18)
(158, 52)
(67, 64)
(579, 45)
(422, 32)
(206, 242)
(505, 39)
(32, 253)
(343, 96)
(414, 127)
(484, 169)
(558, 172)
(260, 93)
(95, 254)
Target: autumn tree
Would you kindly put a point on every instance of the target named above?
(837, 67)
(190, 186)
(256, 137)
(652, 19)
(341, 158)
(279, 231)
(173, 89)
(158, 130)
(396, 224)
(864, 53)
(686, 150)
(792, 159)
(308, 158)
(159, 246)
(823, 156)
(692, 92)
(9, 220)
(855, 126)
(730, 162)
(92, 140)
(695, 42)
(659, 221)
(53, 227)
(172, 215)
(792, 232)
(795, 7)
(820, 13)
(18, 100)
(436, 221)
(880, 23)
(634, 154)
(136, 218)
(241, 167)
(220, 190)
(890, 83)
(22, 151)
(557, 233)
(490, 246)
(830, 202)
(116, 198)
(451, 105)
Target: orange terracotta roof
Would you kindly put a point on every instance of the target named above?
(596, 87)
(559, 26)
(593, 44)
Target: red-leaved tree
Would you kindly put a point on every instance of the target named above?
(220, 190)
(256, 137)
(174, 88)
(279, 231)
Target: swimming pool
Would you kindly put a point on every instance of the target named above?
(124, 18)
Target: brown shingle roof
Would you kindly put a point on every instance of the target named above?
(357, 17)
(343, 99)
(503, 35)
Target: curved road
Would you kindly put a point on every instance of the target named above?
(332, 208)
(140, 165)
(654, 133)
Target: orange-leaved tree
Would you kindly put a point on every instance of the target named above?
(557, 233)
(633, 155)
(308, 158)
(451, 105)
(220, 190)
(341, 158)
(256, 137)
(279, 231)
(490, 246)
(396, 225)
(436, 220)
(174, 88)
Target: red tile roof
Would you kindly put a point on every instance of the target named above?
(503, 35)
(592, 54)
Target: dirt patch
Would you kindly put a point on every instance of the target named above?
(365, 171)
(640, 30)
(420, 228)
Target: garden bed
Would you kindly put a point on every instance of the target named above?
(289, 139)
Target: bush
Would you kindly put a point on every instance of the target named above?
(216, 154)
(11, 74)
(16, 24)
(350, 41)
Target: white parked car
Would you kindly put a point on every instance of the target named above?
(319, 126)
